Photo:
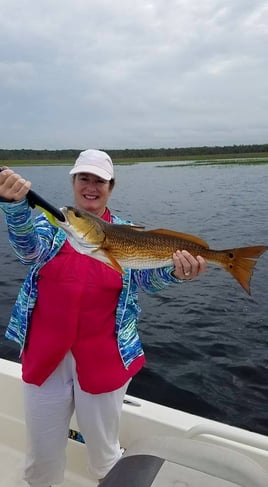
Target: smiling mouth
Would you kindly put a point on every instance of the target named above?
(90, 197)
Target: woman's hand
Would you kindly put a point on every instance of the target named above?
(188, 267)
(12, 186)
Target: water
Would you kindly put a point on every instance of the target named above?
(206, 341)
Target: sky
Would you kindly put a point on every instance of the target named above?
(116, 74)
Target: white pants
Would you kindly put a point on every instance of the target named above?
(48, 410)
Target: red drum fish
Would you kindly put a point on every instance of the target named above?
(122, 246)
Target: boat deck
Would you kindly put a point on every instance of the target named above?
(11, 467)
(12, 461)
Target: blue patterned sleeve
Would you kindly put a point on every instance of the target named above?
(31, 239)
(152, 280)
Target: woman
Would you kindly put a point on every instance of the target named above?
(76, 322)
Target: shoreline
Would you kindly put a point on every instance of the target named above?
(254, 158)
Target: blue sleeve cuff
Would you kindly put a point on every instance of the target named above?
(173, 278)
(13, 207)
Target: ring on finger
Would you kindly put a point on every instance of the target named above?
(187, 273)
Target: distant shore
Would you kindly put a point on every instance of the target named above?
(246, 158)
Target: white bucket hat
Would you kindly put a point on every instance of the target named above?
(94, 162)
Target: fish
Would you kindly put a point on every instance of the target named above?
(134, 247)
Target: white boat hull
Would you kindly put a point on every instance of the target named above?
(141, 420)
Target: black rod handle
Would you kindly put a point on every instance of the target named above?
(35, 199)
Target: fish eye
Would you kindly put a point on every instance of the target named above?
(77, 213)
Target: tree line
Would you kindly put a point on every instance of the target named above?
(63, 154)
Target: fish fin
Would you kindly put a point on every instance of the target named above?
(241, 263)
(49, 216)
(181, 236)
(109, 260)
(134, 227)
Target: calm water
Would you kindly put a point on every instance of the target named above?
(206, 341)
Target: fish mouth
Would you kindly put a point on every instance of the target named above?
(67, 209)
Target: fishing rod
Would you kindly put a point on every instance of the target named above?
(35, 199)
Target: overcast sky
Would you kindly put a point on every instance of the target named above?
(133, 73)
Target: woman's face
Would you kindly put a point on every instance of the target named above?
(91, 193)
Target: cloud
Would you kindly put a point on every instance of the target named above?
(119, 73)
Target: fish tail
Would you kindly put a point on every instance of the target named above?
(241, 262)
